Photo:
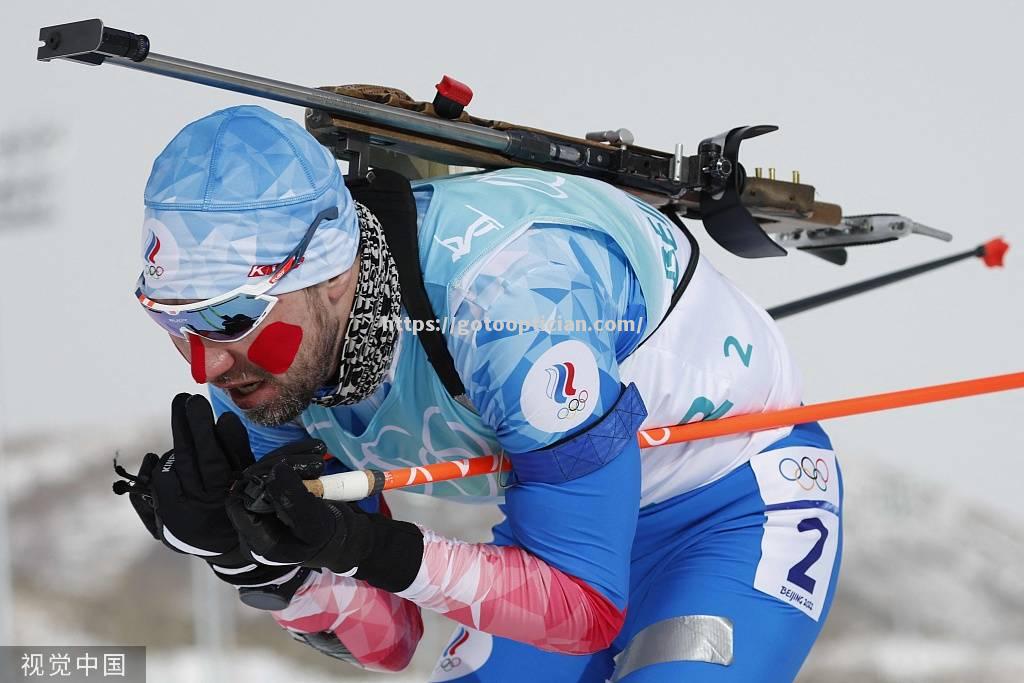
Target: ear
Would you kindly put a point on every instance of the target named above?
(341, 285)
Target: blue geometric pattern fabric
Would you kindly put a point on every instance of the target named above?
(231, 195)
(576, 280)
(586, 452)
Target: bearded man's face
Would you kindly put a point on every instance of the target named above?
(274, 398)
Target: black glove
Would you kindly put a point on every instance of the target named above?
(180, 496)
(318, 533)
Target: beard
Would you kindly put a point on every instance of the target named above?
(311, 370)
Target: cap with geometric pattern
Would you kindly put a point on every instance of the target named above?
(231, 196)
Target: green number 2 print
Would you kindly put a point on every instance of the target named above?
(744, 355)
(702, 405)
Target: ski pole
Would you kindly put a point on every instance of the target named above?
(360, 484)
(990, 252)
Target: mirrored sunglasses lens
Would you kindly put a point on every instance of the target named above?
(225, 321)
(163, 320)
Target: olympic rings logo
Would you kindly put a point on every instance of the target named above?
(813, 472)
(155, 271)
(449, 663)
(574, 405)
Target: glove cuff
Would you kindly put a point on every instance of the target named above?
(395, 556)
(274, 597)
(240, 573)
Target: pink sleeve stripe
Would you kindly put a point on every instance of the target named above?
(507, 592)
(380, 629)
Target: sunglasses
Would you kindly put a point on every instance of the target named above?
(231, 316)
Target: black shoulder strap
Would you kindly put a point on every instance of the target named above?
(388, 196)
(684, 281)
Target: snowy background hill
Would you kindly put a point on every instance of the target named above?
(931, 589)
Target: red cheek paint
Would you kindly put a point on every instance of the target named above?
(275, 348)
(197, 353)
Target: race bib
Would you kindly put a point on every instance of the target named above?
(800, 488)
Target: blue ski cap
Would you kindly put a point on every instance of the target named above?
(231, 196)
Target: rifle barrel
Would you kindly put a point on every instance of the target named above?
(350, 107)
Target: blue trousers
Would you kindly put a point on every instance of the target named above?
(730, 582)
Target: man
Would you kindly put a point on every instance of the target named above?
(709, 561)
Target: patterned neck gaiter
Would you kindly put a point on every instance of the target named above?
(368, 346)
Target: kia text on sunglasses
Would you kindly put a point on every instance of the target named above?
(231, 316)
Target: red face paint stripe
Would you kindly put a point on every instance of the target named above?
(197, 354)
(275, 348)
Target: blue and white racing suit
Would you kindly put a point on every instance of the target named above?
(713, 560)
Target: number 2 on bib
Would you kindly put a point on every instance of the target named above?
(798, 572)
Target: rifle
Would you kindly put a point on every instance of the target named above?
(750, 216)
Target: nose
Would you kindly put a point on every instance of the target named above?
(207, 358)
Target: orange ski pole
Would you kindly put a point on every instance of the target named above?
(362, 483)
(756, 422)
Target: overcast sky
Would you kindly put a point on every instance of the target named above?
(883, 107)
